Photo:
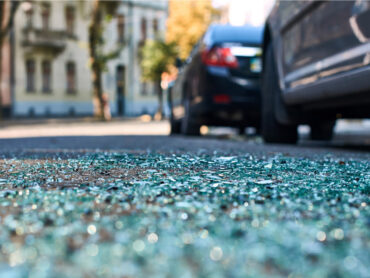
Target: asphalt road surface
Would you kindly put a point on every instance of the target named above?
(352, 139)
(123, 199)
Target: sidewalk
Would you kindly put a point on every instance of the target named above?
(64, 120)
(82, 127)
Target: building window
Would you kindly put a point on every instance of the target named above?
(30, 75)
(121, 28)
(143, 30)
(45, 15)
(28, 10)
(70, 19)
(71, 78)
(46, 76)
(155, 26)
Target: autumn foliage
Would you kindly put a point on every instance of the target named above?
(187, 22)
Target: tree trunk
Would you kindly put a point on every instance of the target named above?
(6, 22)
(1, 79)
(95, 33)
(160, 99)
(2, 35)
(98, 93)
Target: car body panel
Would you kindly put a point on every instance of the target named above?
(320, 46)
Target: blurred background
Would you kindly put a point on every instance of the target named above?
(80, 61)
(47, 64)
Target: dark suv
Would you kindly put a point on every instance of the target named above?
(219, 84)
(316, 58)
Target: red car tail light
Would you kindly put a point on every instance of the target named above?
(221, 99)
(219, 56)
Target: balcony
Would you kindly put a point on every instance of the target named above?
(37, 39)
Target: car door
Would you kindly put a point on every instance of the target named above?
(185, 84)
(191, 89)
(177, 92)
(319, 40)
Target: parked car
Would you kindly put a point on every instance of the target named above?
(316, 59)
(219, 84)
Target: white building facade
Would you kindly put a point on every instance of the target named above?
(135, 22)
(51, 74)
(50, 57)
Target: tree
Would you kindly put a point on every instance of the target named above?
(187, 22)
(98, 59)
(7, 13)
(157, 56)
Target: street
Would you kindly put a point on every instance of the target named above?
(351, 138)
(124, 199)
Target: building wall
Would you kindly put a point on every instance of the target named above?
(58, 101)
(135, 102)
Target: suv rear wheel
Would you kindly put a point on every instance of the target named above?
(175, 127)
(322, 131)
(188, 126)
(271, 129)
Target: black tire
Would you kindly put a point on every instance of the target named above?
(175, 127)
(258, 130)
(272, 131)
(322, 131)
(188, 126)
(174, 124)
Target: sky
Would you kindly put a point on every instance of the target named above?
(246, 11)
